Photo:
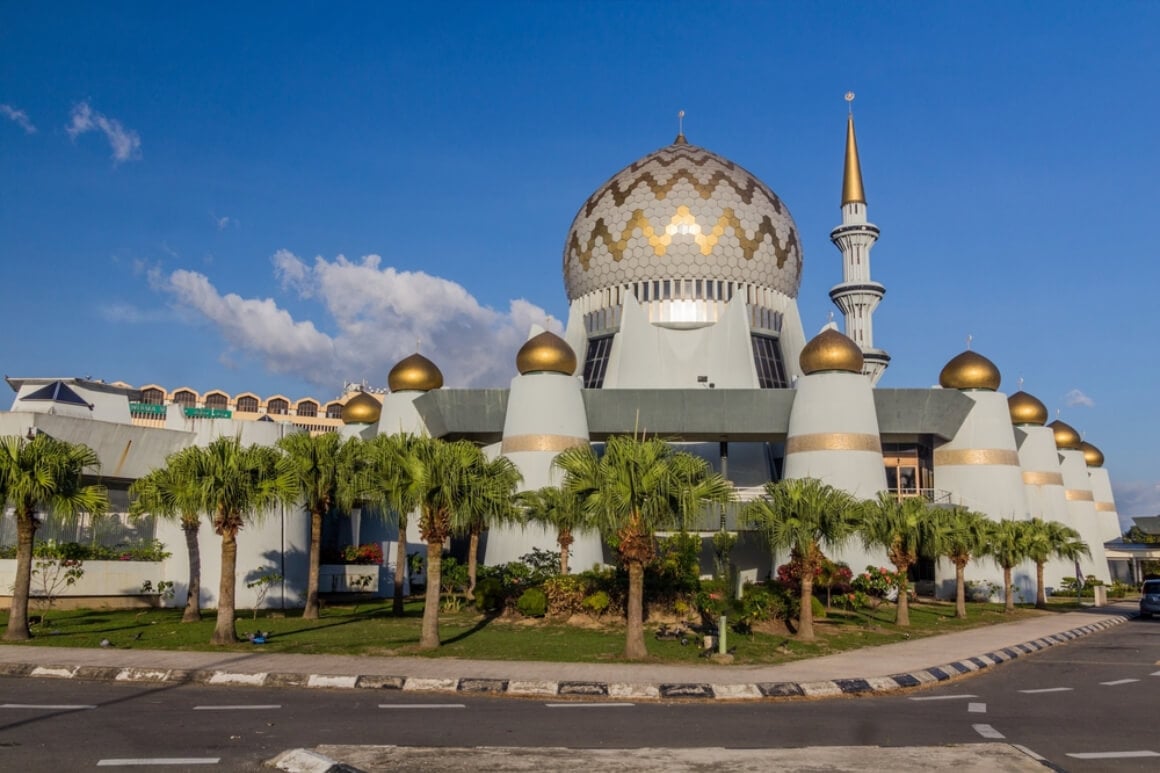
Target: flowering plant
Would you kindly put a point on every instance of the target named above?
(370, 553)
(877, 581)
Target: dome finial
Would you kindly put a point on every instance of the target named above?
(680, 140)
(852, 192)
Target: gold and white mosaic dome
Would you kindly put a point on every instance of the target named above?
(682, 212)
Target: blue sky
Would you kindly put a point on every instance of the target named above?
(281, 197)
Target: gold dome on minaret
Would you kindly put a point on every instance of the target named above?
(1026, 409)
(970, 370)
(415, 374)
(363, 408)
(830, 350)
(546, 352)
(1093, 456)
(1065, 435)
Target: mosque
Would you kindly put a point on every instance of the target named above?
(682, 274)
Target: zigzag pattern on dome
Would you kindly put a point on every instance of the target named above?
(661, 190)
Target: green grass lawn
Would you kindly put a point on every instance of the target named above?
(369, 629)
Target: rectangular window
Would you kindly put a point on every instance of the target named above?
(770, 367)
(596, 361)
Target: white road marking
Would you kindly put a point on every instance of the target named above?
(1047, 689)
(422, 705)
(254, 707)
(1113, 755)
(1029, 753)
(118, 763)
(47, 706)
(987, 731)
(977, 708)
(1155, 673)
(589, 705)
(944, 697)
(1119, 681)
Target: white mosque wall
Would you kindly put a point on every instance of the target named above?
(1081, 506)
(1046, 499)
(400, 415)
(1105, 503)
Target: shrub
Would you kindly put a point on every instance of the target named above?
(489, 595)
(565, 594)
(152, 550)
(541, 564)
(877, 582)
(760, 603)
(597, 603)
(369, 553)
(532, 603)
(817, 607)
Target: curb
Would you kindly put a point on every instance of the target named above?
(563, 689)
(307, 761)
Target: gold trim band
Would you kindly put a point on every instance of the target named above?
(1075, 495)
(947, 458)
(833, 441)
(554, 443)
(1105, 507)
(1042, 478)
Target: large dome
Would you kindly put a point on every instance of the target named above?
(682, 213)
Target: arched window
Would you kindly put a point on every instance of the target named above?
(153, 396)
(307, 408)
(334, 411)
(247, 404)
(217, 400)
(278, 406)
(185, 398)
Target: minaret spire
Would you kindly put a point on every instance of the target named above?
(858, 295)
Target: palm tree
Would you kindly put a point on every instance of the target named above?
(387, 486)
(906, 528)
(801, 515)
(1006, 544)
(326, 473)
(437, 476)
(553, 507)
(1044, 540)
(492, 503)
(238, 484)
(964, 535)
(42, 475)
(635, 488)
(174, 492)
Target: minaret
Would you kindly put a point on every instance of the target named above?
(857, 296)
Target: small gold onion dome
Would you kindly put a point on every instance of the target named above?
(415, 373)
(1065, 435)
(830, 350)
(970, 370)
(363, 408)
(1026, 409)
(1093, 456)
(546, 352)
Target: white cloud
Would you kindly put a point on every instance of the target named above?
(19, 117)
(378, 313)
(1075, 398)
(224, 222)
(125, 143)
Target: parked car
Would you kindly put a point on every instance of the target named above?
(1150, 598)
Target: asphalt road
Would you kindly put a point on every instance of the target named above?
(1095, 696)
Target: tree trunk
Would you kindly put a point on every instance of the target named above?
(1040, 591)
(224, 632)
(960, 589)
(18, 615)
(634, 646)
(192, 613)
(401, 563)
(806, 612)
(429, 639)
(472, 562)
(565, 541)
(1008, 591)
(902, 611)
(311, 610)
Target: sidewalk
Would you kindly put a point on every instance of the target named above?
(879, 669)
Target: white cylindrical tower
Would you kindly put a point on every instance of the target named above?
(1105, 501)
(1080, 498)
(545, 415)
(979, 466)
(857, 295)
(1042, 478)
(833, 431)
